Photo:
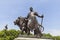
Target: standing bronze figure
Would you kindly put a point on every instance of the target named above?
(33, 23)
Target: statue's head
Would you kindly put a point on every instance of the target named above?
(31, 9)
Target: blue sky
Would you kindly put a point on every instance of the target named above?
(11, 9)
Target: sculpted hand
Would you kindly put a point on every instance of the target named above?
(42, 16)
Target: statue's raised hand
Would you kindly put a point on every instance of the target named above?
(42, 16)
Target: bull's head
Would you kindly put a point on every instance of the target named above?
(16, 22)
(19, 21)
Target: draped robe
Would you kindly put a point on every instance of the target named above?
(32, 21)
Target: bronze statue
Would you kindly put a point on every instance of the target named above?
(30, 23)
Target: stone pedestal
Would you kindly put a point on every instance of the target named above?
(22, 38)
(31, 37)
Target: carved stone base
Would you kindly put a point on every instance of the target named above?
(31, 37)
(22, 38)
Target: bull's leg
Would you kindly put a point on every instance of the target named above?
(25, 29)
(35, 32)
(22, 30)
(40, 33)
(28, 31)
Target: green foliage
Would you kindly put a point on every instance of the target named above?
(48, 35)
(8, 34)
(2, 34)
(2, 38)
(10, 37)
(53, 37)
(11, 34)
(56, 37)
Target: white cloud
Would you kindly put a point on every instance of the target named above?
(54, 32)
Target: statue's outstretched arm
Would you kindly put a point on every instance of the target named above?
(38, 15)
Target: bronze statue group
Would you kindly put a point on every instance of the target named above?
(30, 23)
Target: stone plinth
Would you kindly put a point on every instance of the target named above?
(22, 38)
